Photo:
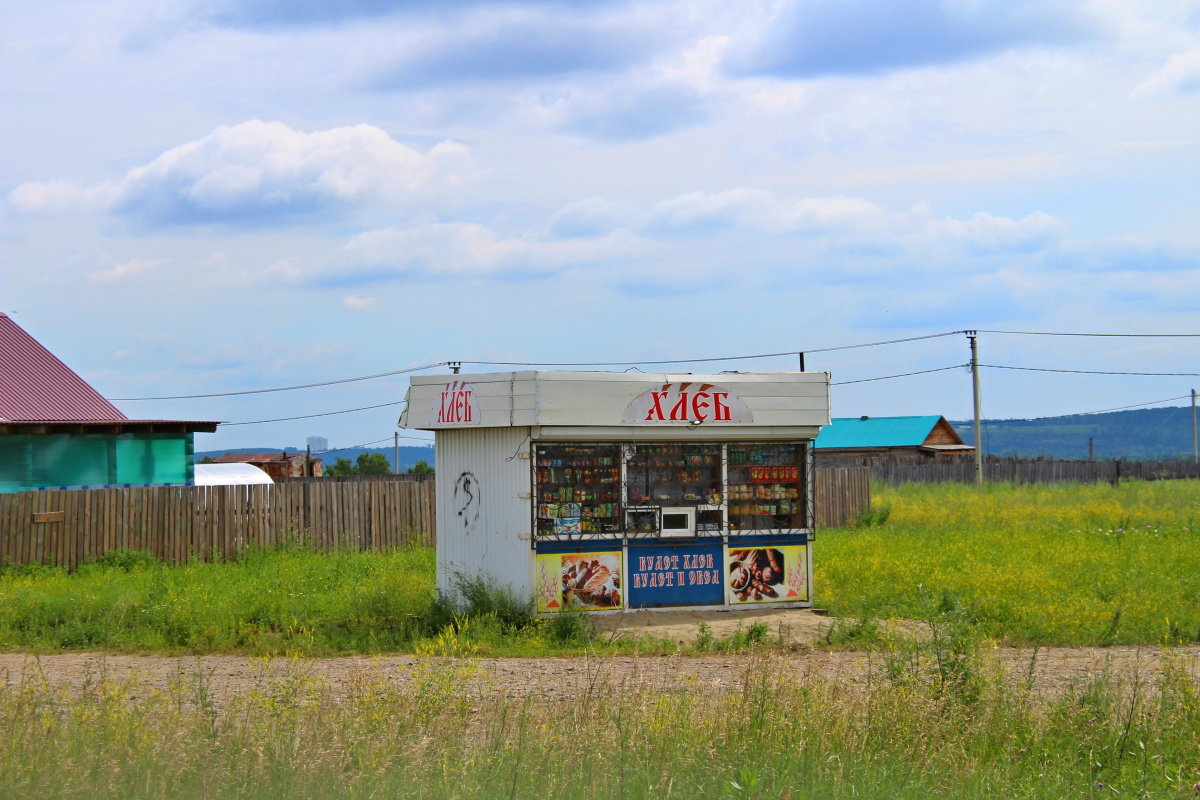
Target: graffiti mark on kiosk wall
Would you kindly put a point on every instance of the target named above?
(466, 500)
(687, 402)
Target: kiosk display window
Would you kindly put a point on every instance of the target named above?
(669, 490)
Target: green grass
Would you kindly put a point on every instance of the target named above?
(1066, 564)
(903, 734)
(1053, 565)
(290, 600)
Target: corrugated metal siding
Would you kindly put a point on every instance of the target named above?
(481, 516)
(36, 385)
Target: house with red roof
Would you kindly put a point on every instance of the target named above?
(57, 432)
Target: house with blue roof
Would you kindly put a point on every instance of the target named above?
(868, 441)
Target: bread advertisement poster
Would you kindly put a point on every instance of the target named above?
(579, 581)
(767, 574)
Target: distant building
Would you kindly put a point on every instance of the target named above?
(57, 432)
(888, 440)
(277, 465)
(317, 444)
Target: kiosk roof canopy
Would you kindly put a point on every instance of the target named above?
(632, 402)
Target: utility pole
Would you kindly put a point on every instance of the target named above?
(1195, 441)
(1091, 449)
(975, 392)
(802, 362)
(395, 453)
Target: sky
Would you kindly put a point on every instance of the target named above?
(214, 197)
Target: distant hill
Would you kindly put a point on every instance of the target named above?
(1148, 434)
(409, 456)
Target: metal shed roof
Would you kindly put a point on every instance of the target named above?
(876, 432)
(38, 386)
(38, 392)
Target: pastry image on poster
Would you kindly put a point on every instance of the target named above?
(770, 574)
(579, 581)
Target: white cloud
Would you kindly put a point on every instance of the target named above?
(265, 173)
(985, 233)
(760, 210)
(967, 170)
(59, 197)
(1181, 74)
(360, 303)
(849, 225)
(461, 249)
(126, 269)
(591, 216)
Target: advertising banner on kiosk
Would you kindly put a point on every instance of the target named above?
(767, 573)
(579, 581)
(676, 575)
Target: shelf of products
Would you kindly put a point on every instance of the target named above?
(674, 475)
(578, 490)
(765, 490)
(622, 490)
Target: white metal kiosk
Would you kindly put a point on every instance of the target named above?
(607, 491)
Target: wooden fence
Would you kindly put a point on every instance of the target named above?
(1018, 470)
(840, 495)
(176, 523)
(67, 528)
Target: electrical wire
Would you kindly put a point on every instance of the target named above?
(1094, 371)
(1081, 413)
(1161, 422)
(1128, 335)
(1136, 405)
(398, 402)
(648, 363)
(349, 447)
(367, 444)
(288, 388)
(310, 416)
(901, 375)
(630, 364)
(701, 360)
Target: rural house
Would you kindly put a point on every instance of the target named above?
(278, 465)
(57, 432)
(868, 441)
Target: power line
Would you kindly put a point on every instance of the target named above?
(700, 360)
(1127, 335)
(1094, 371)
(368, 444)
(287, 388)
(310, 416)
(532, 364)
(901, 375)
(1136, 405)
(993, 422)
(1161, 422)
(349, 447)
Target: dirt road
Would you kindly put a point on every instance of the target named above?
(557, 678)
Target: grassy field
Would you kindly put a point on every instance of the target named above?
(1063, 564)
(1053, 565)
(907, 734)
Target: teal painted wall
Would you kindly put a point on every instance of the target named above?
(38, 461)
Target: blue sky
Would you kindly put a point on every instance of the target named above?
(215, 197)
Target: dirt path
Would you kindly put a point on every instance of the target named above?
(555, 678)
(550, 678)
